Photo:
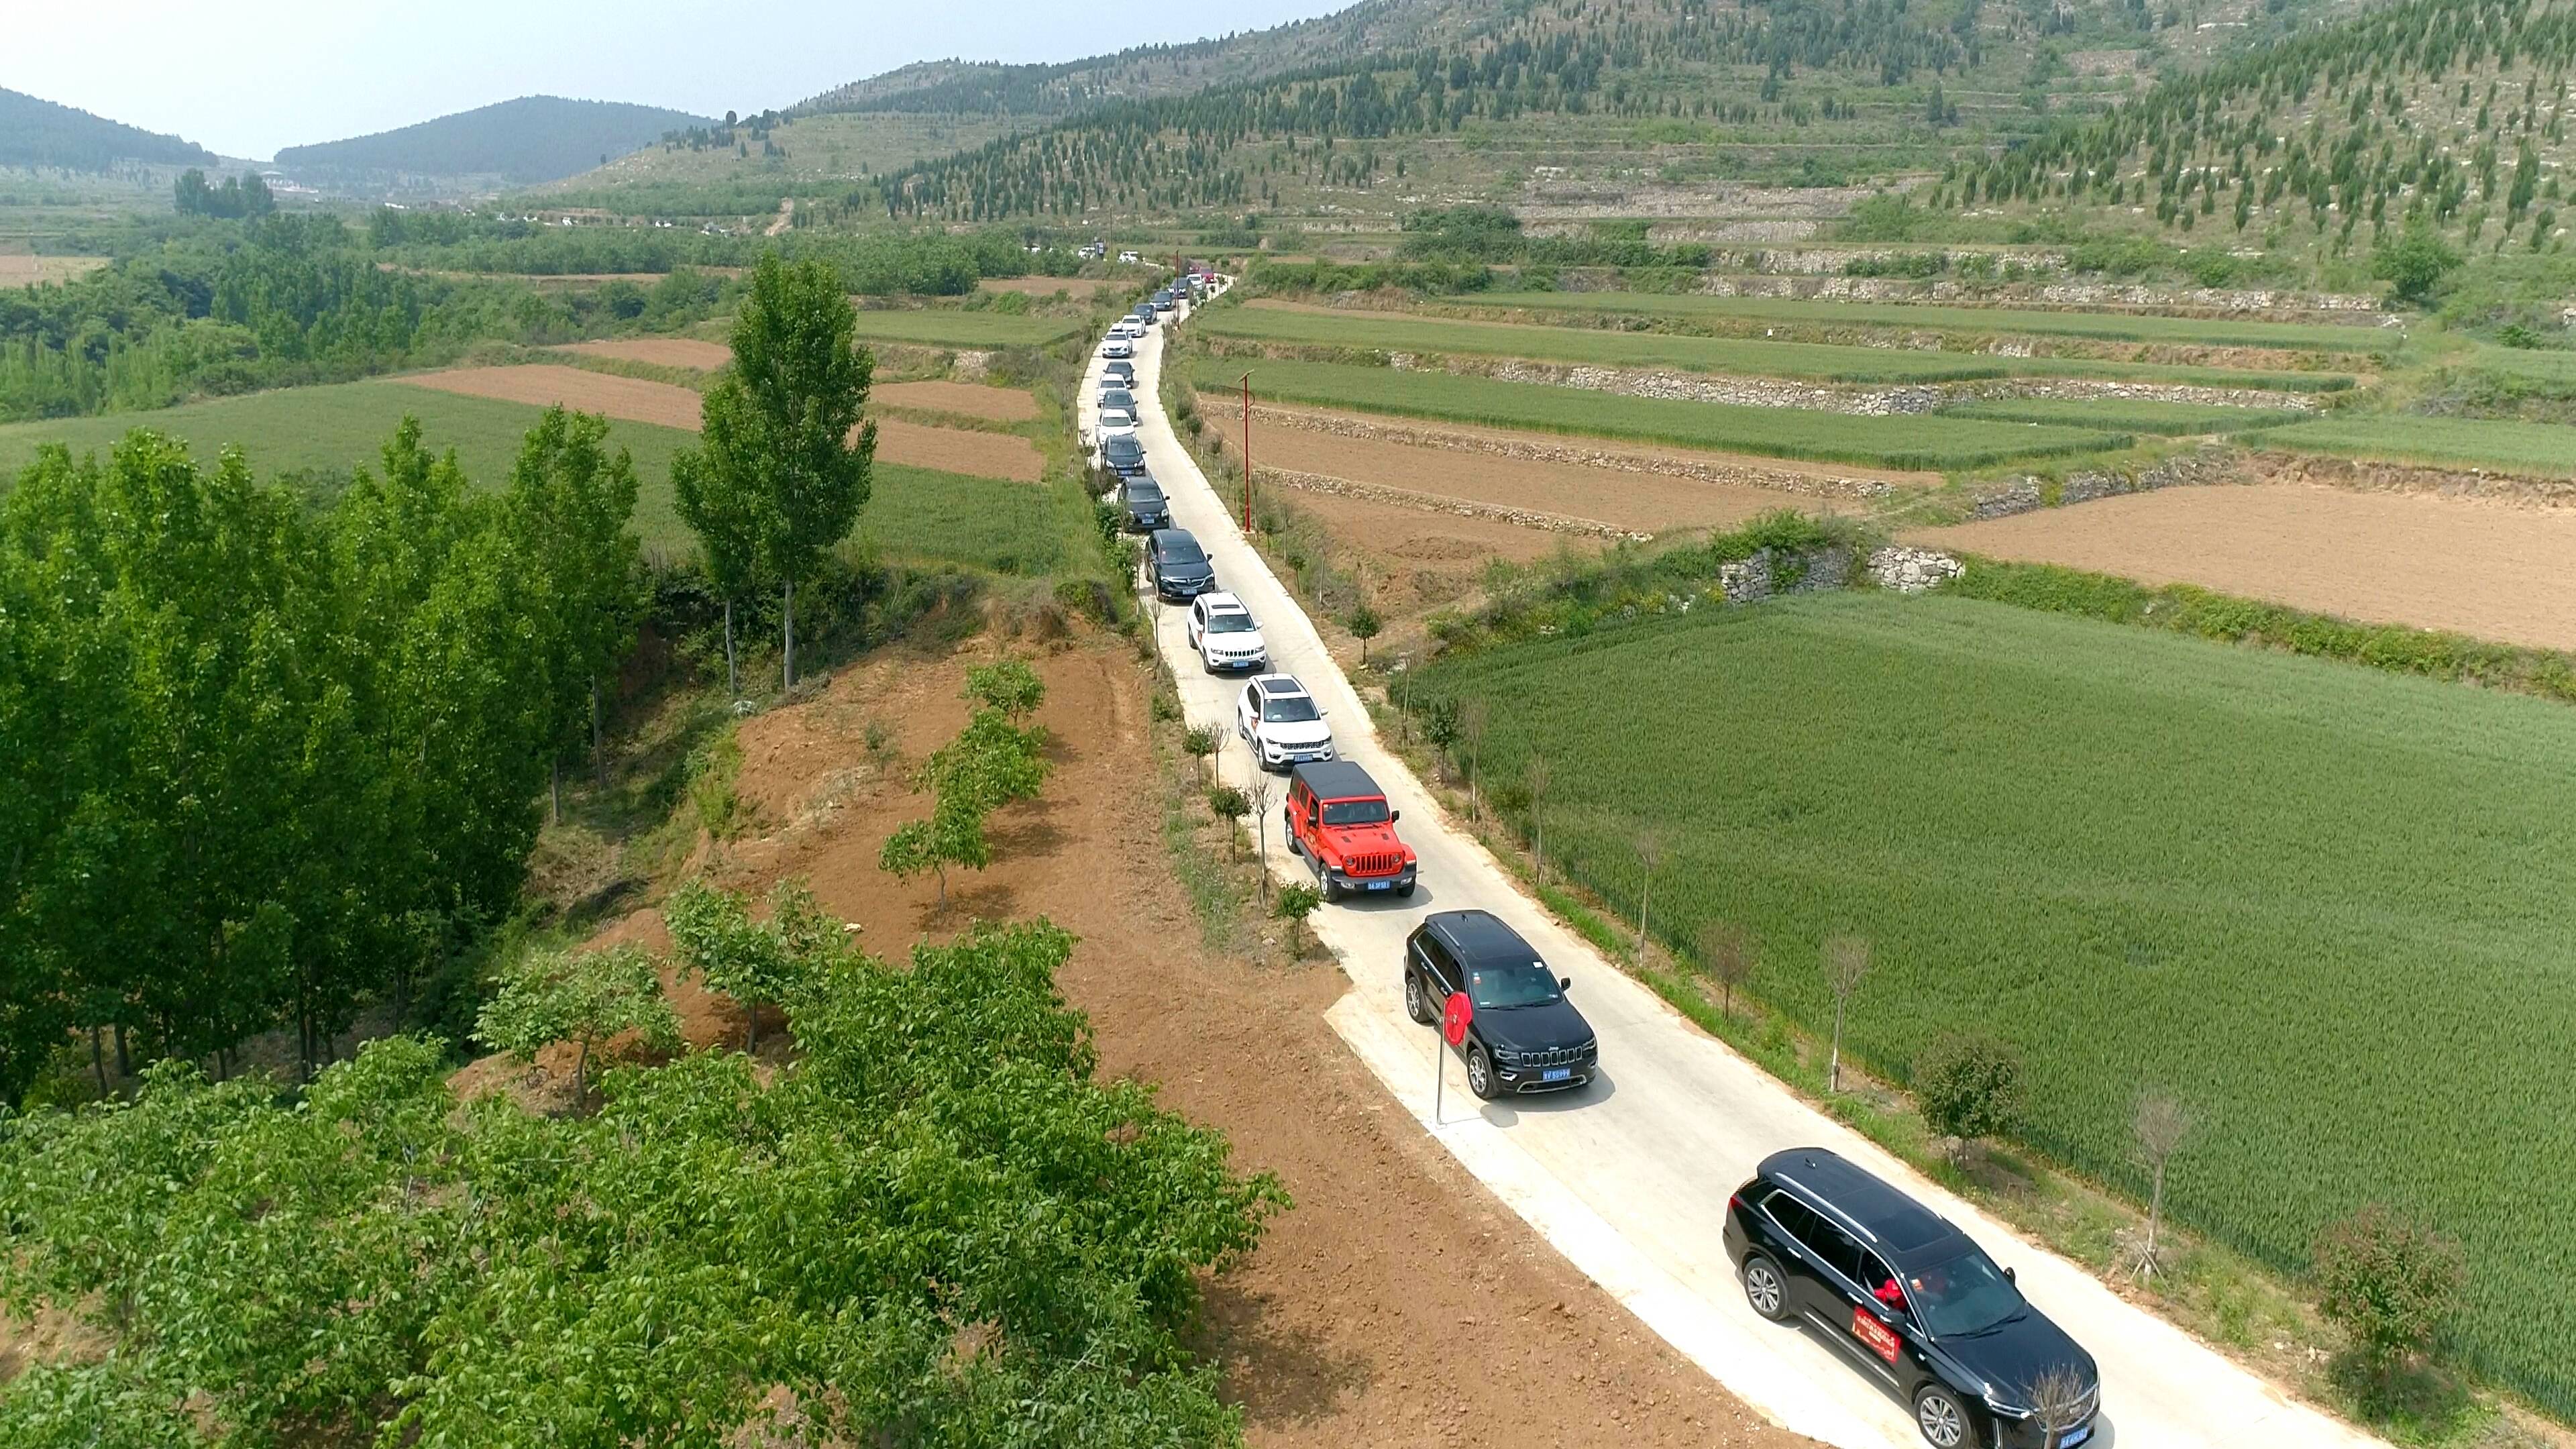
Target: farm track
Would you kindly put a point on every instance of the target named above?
(1626, 1179)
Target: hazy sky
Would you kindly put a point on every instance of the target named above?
(245, 77)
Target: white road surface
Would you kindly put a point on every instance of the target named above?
(1629, 1177)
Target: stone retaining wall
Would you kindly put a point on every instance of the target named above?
(2028, 494)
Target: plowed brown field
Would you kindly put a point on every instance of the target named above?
(955, 450)
(1001, 404)
(660, 351)
(2489, 570)
(1049, 286)
(1639, 502)
(1337, 1330)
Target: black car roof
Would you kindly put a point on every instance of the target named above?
(1898, 1228)
(1480, 935)
(1167, 540)
(1142, 482)
(1336, 780)
(1121, 443)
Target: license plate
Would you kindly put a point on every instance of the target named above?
(1556, 1074)
(2074, 1437)
(1379, 885)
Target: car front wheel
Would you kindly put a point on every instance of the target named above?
(1765, 1288)
(1480, 1074)
(1417, 1002)
(1942, 1418)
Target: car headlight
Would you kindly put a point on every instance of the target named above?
(2001, 1408)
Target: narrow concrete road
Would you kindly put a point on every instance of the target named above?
(1629, 1177)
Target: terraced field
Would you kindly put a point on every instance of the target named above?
(2136, 415)
(2544, 448)
(1984, 321)
(2141, 858)
(1886, 442)
(949, 327)
(1814, 361)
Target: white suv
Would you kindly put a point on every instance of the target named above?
(1224, 634)
(1282, 723)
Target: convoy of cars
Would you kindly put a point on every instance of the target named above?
(1818, 1243)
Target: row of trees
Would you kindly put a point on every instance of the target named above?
(992, 762)
(267, 764)
(238, 197)
(941, 1229)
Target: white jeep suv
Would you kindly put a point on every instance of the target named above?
(1282, 723)
(1224, 634)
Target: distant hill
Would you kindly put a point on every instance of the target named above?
(41, 133)
(522, 142)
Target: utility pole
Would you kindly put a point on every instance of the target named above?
(1247, 455)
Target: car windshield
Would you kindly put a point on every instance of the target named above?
(1289, 709)
(1117, 397)
(1125, 448)
(1229, 623)
(1355, 812)
(1967, 1294)
(1148, 496)
(1183, 553)
(1517, 983)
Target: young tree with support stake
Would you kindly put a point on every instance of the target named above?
(785, 456)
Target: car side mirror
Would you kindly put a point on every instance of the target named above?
(2010, 1276)
(1565, 983)
(1393, 816)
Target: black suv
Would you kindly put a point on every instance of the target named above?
(1147, 508)
(1123, 455)
(1118, 374)
(1181, 567)
(1524, 1036)
(1911, 1302)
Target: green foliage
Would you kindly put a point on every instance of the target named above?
(2389, 1282)
(568, 508)
(714, 771)
(941, 1227)
(2414, 264)
(1462, 234)
(1891, 442)
(1295, 902)
(272, 761)
(757, 963)
(2140, 415)
(584, 998)
(1008, 685)
(238, 197)
(36, 133)
(1968, 1085)
(991, 763)
(2178, 886)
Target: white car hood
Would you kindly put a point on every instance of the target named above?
(1296, 736)
(1240, 643)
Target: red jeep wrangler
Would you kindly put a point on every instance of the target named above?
(1338, 820)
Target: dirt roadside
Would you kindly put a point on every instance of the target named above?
(1399, 1302)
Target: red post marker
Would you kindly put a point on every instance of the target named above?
(1247, 455)
(1455, 1013)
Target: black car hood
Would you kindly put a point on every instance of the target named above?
(2020, 1350)
(1535, 1028)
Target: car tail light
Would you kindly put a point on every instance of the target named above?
(1735, 1204)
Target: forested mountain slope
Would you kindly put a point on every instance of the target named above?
(40, 133)
(2446, 115)
(529, 140)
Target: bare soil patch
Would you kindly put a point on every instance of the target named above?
(992, 455)
(1734, 470)
(1640, 502)
(2489, 570)
(1049, 286)
(659, 351)
(546, 384)
(974, 400)
(25, 271)
(1399, 1302)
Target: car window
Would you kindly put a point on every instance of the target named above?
(1289, 709)
(1828, 1242)
(1793, 1216)
(1500, 986)
(1968, 1294)
(1355, 812)
(1881, 1284)
(1436, 956)
(1229, 623)
(1183, 553)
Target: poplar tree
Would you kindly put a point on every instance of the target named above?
(568, 506)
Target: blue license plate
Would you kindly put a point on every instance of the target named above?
(1379, 885)
(2074, 1437)
(1556, 1074)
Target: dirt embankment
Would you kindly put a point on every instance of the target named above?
(954, 450)
(1398, 1303)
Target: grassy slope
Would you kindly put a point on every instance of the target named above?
(1819, 361)
(2137, 415)
(1887, 442)
(2117, 327)
(915, 513)
(2142, 859)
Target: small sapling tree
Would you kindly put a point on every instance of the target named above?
(586, 999)
(1726, 954)
(2390, 1283)
(1845, 963)
(1968, 1086)
(2161, 1125)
